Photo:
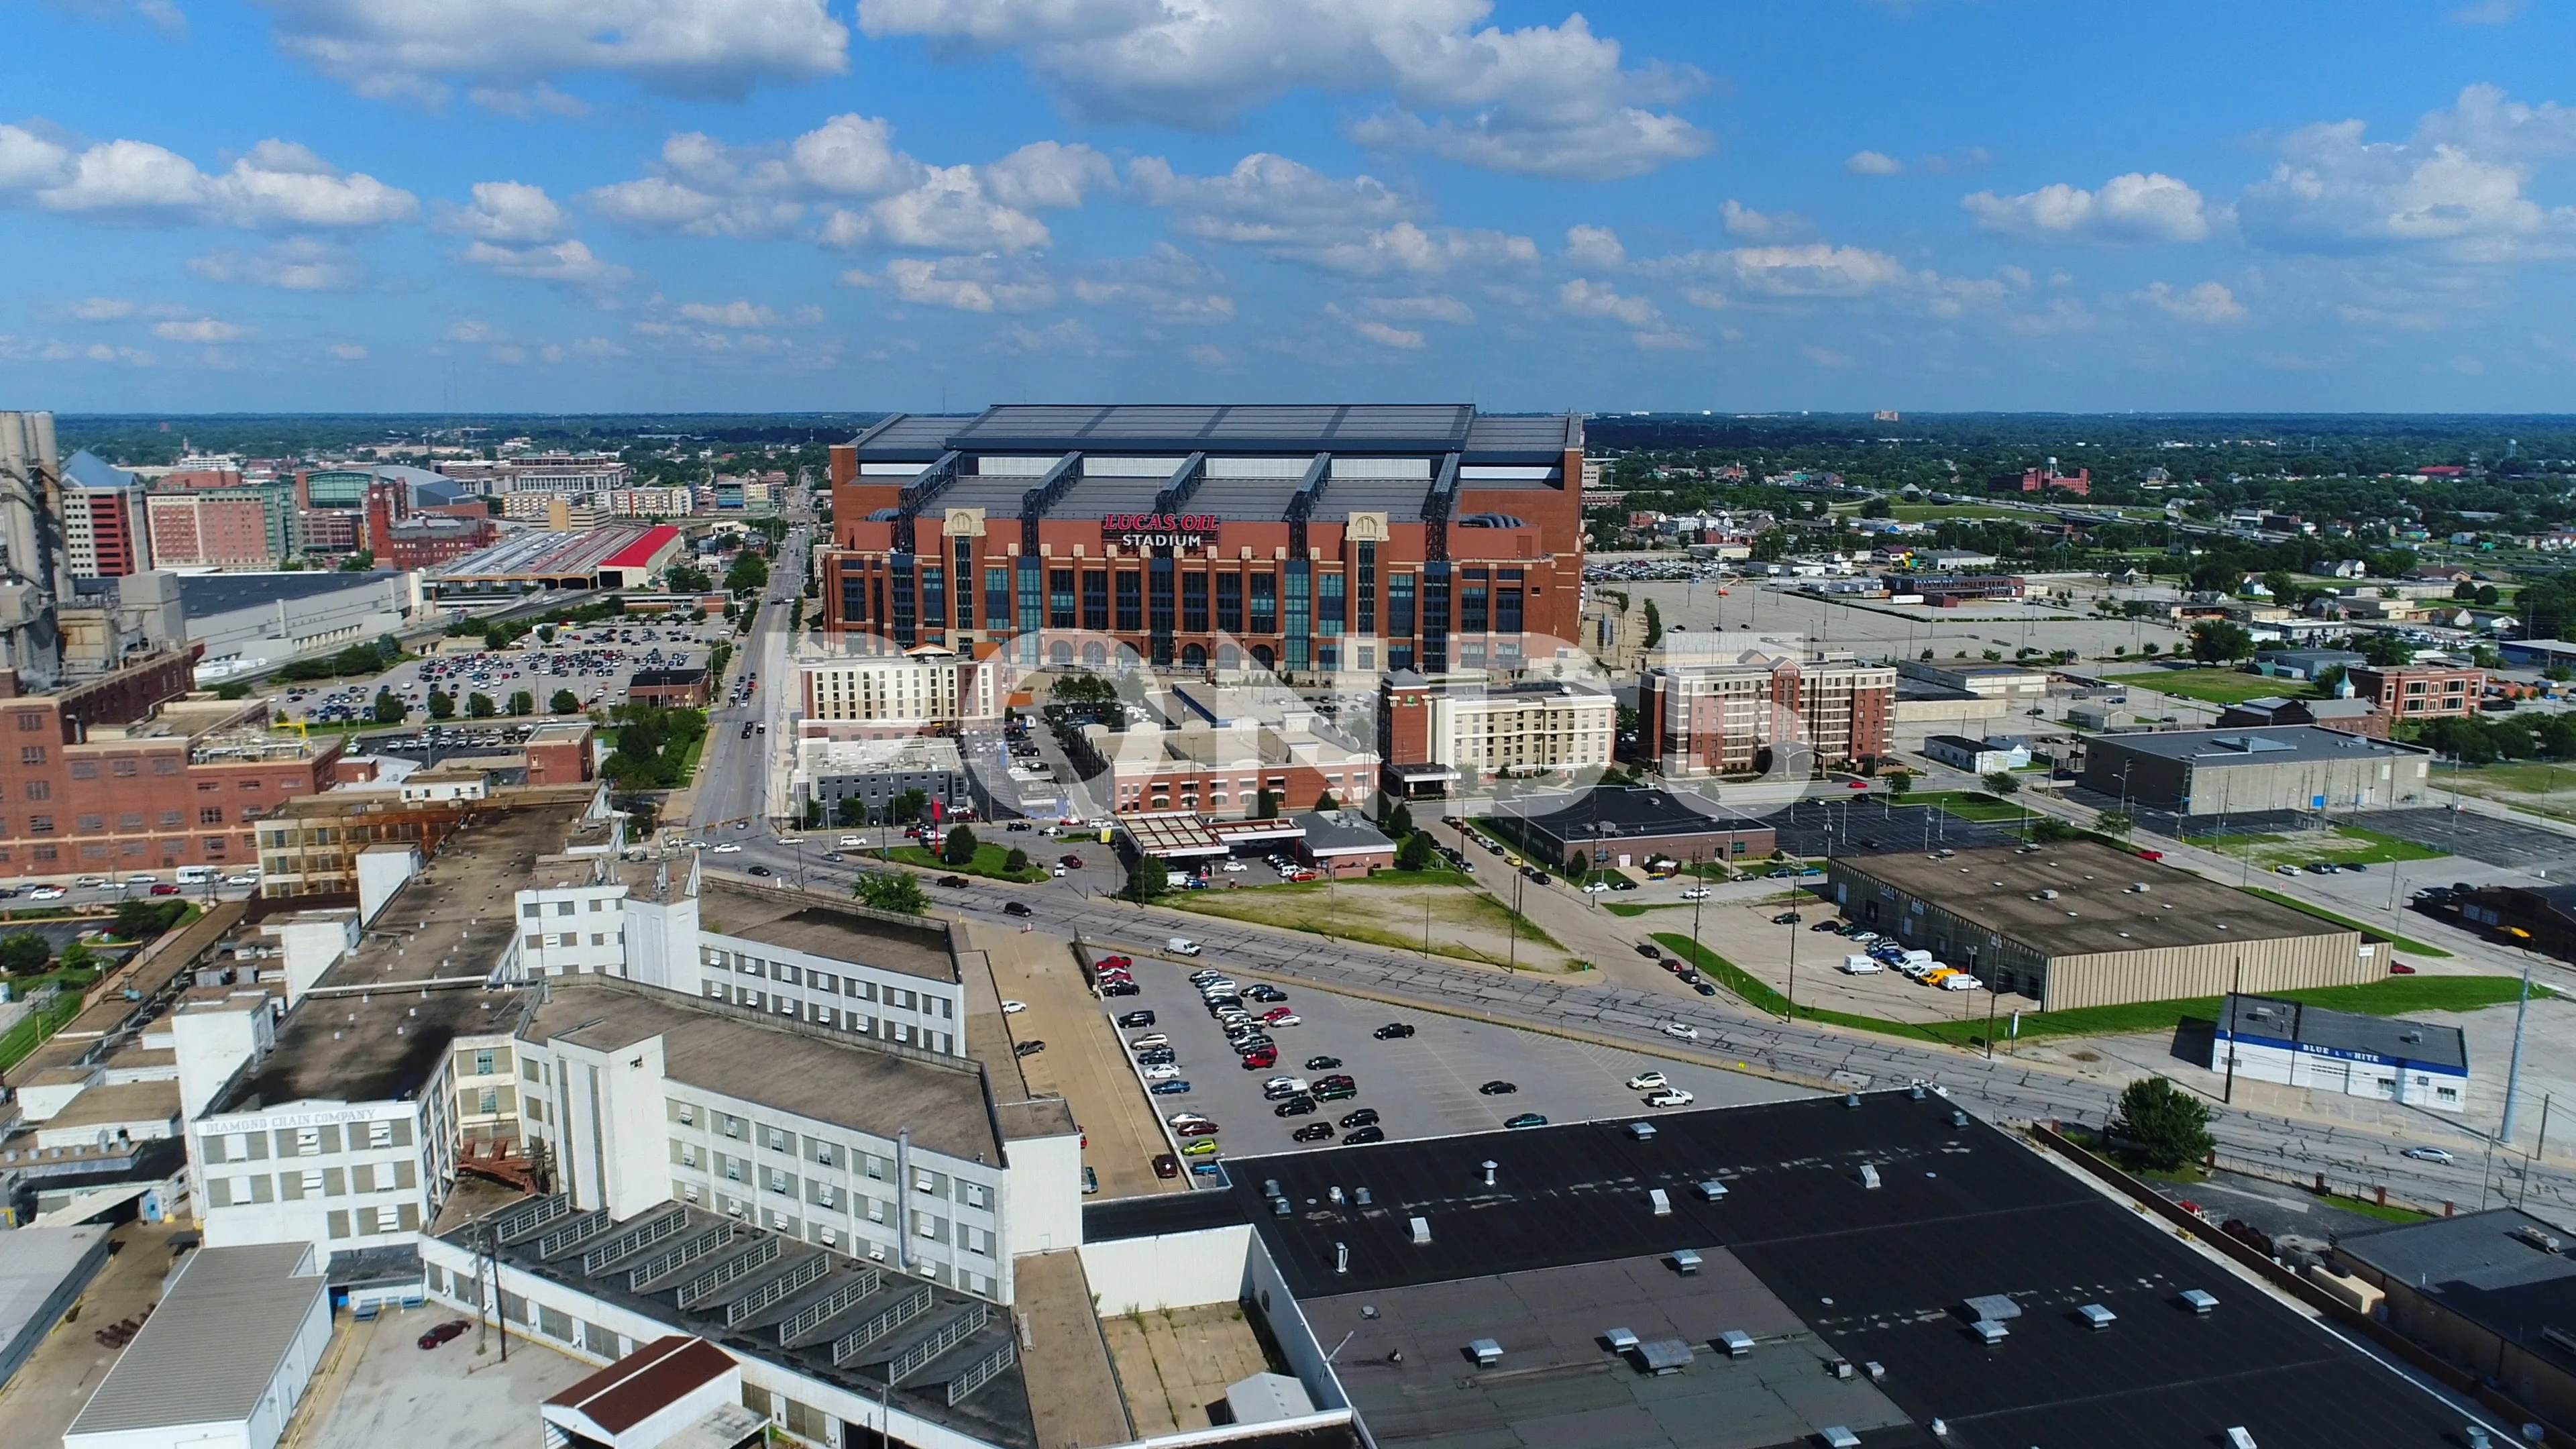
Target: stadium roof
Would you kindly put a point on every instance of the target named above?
(89, 470)
(1265, 428)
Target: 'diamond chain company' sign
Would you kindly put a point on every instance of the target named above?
(1159, 530)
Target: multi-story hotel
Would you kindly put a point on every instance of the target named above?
(1305, 540)
(1710, 716)
(850, 688)
(1435, 732)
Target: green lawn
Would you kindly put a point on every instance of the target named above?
(1966, 804)
(1347, 912)
(2370, 1209)
(21, 1041)
(2341, 844)
(2373, 932)
(988, 862)
(1622, 908)
(2211, 686)
(2391, 996)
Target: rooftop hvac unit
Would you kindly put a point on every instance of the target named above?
(1989, 1332)
(1736, 1342)
(1642, 1131)
(2198, 1301)
(1620, 1339)
(1488, 1353)
(1840, 1368)
(1851, 1099)
(2239, 1439)
(1488, 1165)
(1838, 1437)
(1869, 1174)
(1711, 1191)
(1361, 1196)
(1279, 1207)
(1660, 1202)
(1686, 1261)
(1421, 1230)
(1958, 1117)
(1994, 1307)
(2096, 1316)
(2544, 1241)
(1665, 1356)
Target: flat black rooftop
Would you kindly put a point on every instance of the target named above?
(2393, 1038)
(1638, 812)
(1864, 1274)
(209, 594)
(1257, 428)
(2480, 1266)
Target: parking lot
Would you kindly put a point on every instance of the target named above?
(2479, 837)
(1423, 1086)
(594, 665)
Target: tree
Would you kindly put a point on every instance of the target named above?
(1265, 805)
(2383, 650)
(2116, 822)
(521, 702)
(564, 702)
(687, 579)
(1017, 861)
(442, 705)
(1654, 625)
(907, 806)
(478, 705)
(892, 890)
(2284, 588)
(2217, 641)
(1899, 781)
(750, 571)
(2001, 782)
(2489, 596)
(1414, 853)
(2169, 1125)
(960, 849)
(1145, 878)
(143, 920)
(359, 562)
(79, 957)
(851, 810)
(1398, 822)
(389, 708)
(1328, 801)
(388, 648)
(24, 953)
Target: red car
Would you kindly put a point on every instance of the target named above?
(165, 889)
(1856, 784)
(2400, 968)
(452, 1328)
(1261, 1060)
(1069, 862)
(1116, 963)
(1275, 1013)
(1166, 1165)
(1195, 1129)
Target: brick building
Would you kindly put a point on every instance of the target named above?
(2410, 692)
(856, 693)
(1719, 716)
(1436, 732)
(238, 527)
(102, 519)
(408, 541)
(1308, 540)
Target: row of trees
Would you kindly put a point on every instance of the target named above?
(389, 708)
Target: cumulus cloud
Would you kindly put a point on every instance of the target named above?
(1290, 210)
(2457, 187)
(1047, 175)
(570, 263)
(102, 309)
(1872, 163)
(1422, 309)
(505, 211)
(1743, 221)
(1548, 100)
(1815, 269)
(199, 329)
(1166, 283)
(348, 352)
(2207, 302)
(529, 102)
(967, 284)
(2137, 207)
(296, 264)
(278, 183)
(1598, 299)
(1595, 247)
(401, 49)
(741, 314)
(1386, 335)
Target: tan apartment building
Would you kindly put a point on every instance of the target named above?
(851, 693)
(1433, 733)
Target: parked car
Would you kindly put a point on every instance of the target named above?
(1173, 1088)
(1149, 1039)
(1265, 992)
(1200, 1128)
(1361, 1137)
(1393, 1031)
(1648, 1081)
(1138, 1018)
(452, 1329)
(1526, 1119)
(1160, 1072)
(1295, 1107)
(1669, 1097)
(1498, 1088)
(1359, 1117)
(1165, 1164)
(1200, 1147)
(1322, 1064)
(1028, 1048)
(1313, 1132)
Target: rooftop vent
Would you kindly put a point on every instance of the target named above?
(1361, 1196)
(1341, 1257)
(1488, 1166)
(1851, 1099)
(1660, 1201)
(1621, 1340)
(1869, 1174)
(1421, 1231)
(2239, 1439)
(1686, 1261)
(1838, 1437)
(1989, 1332)
(2096, 1316)
(2545, 1241)
(1995, 1307)
(2048, 894)
(1665, 1356)
(1736, 1342)
(1711, 1191)
(1642, 1131)
(2198, 1301)
(1279, 1207)
(1958, 1117)
(1488, 1353)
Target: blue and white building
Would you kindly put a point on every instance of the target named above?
(2394, 1060)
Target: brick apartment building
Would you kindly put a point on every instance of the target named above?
(240, 527)
(103, 534)
(1308, 540)
(1717, 716)
(2410, 692)
(407, 540)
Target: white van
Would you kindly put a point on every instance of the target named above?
(197, 874)
(1181, 946)
(1861, 966)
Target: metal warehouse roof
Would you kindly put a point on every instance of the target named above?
(207, 1355)
(2262, 745)
(207, 595)
(2497, 1269)
(2077, 898)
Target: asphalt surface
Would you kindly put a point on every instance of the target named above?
(1422, 1086)
(743, 780)
(2479, 837)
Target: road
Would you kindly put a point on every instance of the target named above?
(745, 780)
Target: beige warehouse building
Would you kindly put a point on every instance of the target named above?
(2080, 924)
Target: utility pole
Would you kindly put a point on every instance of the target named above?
(2513, 1072)
(1792, 1013)
(2227, 1009)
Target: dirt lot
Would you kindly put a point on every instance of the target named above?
(1455, 920)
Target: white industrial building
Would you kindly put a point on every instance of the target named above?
(222, 1362)
(42, 1271)
(1977, 757)
(2271, 1039)
(245, 620)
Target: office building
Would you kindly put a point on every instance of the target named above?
(1215, 749)
(103, 524)
(1731, 713)
(2197, 773)
(1307, 540)
(2411, 692)
(2080, 924)
(245, 525)
(1453, 732)
(870, 775)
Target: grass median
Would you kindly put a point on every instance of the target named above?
(989, 862)
(2402, 943)
(2390, 996)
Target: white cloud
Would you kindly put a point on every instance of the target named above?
(1422, 309)
(853, 155)
(2137, 207)
(1169, 285)
(736, 313)
(1207, 356)
(968, 284)
(529, 103)
(1290, 210)
(1598, 299)
(1816, 269)
(1595, 247)
(199, 329)
(506, 211)
(405, 49)
(1872, 163)
(1540, 100)
(2486, 12)
(2207, 302)
(2458, 186)
(1743, 221)
(947, 212)
(1068, 335)
(348, 352)
(102, 309)
(296, 264)
(1048, 174)
(1407, 248)
(161, 15)
(568, 262)
(279, 183)
(1387, 336)
(471, 330)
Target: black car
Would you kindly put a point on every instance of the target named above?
(1295, 1107)
(1834, 926)
(1156, 1057)
(1017, 908)
(953, 882)
(1787, 918)
(1359, 1117)
(1363, 1136)
(1393, 1031)
(1649, 950)
(1119, 988)
(1313, 1132)
(1703, 988)
(1136, 1018)
(761, 870)
(1498, 1088)
(1322, 1064)
(1265, 992)
(1028, 1048)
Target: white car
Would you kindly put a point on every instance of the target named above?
(1594, 888)
(1284, 1084)
(1162, 1072)
(1014, 1008)
(1682, 1029)
(1648, 1082)
(1182, 946)
(46, 893)
(1234, 867)
(851, 842)
(1669, 1097)
(1149, 1039)
(1291, 1019)
(241, 880)
(1696, 893)
(1059, 870)
(2426, 1154)
(1183, 1119)
(728, 848)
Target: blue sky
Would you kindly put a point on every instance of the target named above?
(322, 205)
